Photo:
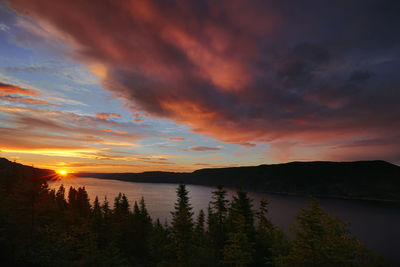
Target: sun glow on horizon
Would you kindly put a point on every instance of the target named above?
(63, 172)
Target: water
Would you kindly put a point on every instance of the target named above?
(375, 224)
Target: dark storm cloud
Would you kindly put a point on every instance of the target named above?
(315, 72)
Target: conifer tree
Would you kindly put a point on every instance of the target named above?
(238, 249)
(182, 226)
(324, 240)
(96, 208)
(241, 205)
(199, 228)
(136, 210)
(219, 204)
(217, 221)
(106, 208)
(143, 211)
(270, 241)
(60, 198)
(72, 199)
(83, 202)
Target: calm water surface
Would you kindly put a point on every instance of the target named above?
(375, 224)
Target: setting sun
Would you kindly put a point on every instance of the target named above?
(63, 172)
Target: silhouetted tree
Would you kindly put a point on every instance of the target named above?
(217, 221)
(238, 249)
(182, 226)
(323, 240)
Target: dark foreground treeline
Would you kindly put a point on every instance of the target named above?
(43, 227)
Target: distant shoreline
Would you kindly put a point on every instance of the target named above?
(376, 200)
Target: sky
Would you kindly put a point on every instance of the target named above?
(131, 86)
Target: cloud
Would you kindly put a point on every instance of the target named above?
(247, 144)
(201, 164)
(254, 72)
(4, 27)
(176, 139)
(65, 100)
(61, 134)
(26, 69)
(14, 89)
(136, 118)
(106, 116)
(203, 148)
(23, 99)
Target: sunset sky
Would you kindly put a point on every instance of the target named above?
(119, 85)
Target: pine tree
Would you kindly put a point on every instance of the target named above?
(121, 207)
(142, 227)
(324, 240)
(219, 204)
(106, 208)
(97, 217)
(60, 198)
(217, 221)
(261, 215)
(83, 202)
(238, 249)
(199, 228)
(136, 210)
(241, 205)
(270, 242)
(161, 251)
(72, 199)
(143, 211)
(182, 226)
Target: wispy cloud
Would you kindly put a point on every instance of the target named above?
(14, 89)
(4, 27)
(10, 98)
(65, 100)
(203, 148)
(176, 139)
(106, 116)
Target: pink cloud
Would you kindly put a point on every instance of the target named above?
(203, 148)
(106, 116)
(239, 71)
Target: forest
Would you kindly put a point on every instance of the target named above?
(63, 227)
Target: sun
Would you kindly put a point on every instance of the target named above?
(63, 172)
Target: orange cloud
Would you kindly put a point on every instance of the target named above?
(27, 100)
(243, 74)
(106, 116)
(176, 139)
(59, 134)
(13, 89)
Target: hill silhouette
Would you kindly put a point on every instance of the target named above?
(375, 180)
(24, 172)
